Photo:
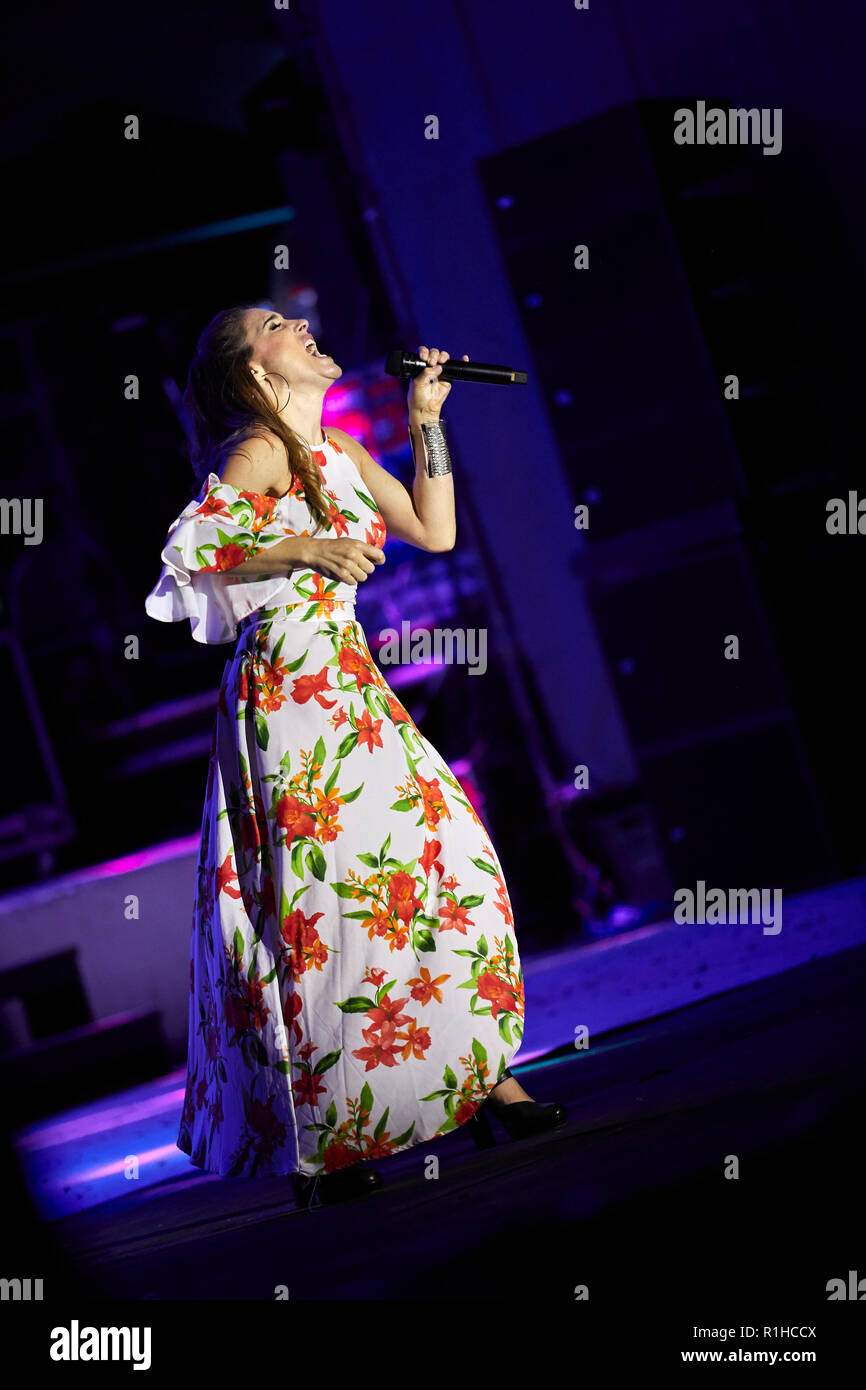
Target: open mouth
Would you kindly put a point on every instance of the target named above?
(310, 347)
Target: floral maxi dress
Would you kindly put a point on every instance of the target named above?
(355, 984)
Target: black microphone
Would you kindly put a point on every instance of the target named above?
(400, 363)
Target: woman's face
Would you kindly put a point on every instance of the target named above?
(279, 346)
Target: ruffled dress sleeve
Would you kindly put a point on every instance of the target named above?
(214, 534)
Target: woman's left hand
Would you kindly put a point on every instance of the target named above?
(428, 391)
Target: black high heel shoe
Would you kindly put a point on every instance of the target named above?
(314, 1190)
(520, 1120)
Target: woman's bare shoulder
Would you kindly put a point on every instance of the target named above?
(257, 464)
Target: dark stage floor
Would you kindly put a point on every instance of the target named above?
(630, 1198)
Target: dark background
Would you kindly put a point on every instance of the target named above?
(708, 516)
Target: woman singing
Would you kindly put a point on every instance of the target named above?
(355, 984)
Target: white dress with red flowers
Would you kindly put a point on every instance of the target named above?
(355, 984)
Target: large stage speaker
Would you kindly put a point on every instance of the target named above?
(721, 754)
(697, 501)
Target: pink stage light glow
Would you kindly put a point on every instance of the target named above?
(111, 868)
(115, 1169)
(100, 1121)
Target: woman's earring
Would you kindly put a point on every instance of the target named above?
(278, 407)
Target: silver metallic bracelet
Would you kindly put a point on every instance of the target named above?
(436, 456)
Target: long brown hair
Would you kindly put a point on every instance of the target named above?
(227, 405)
